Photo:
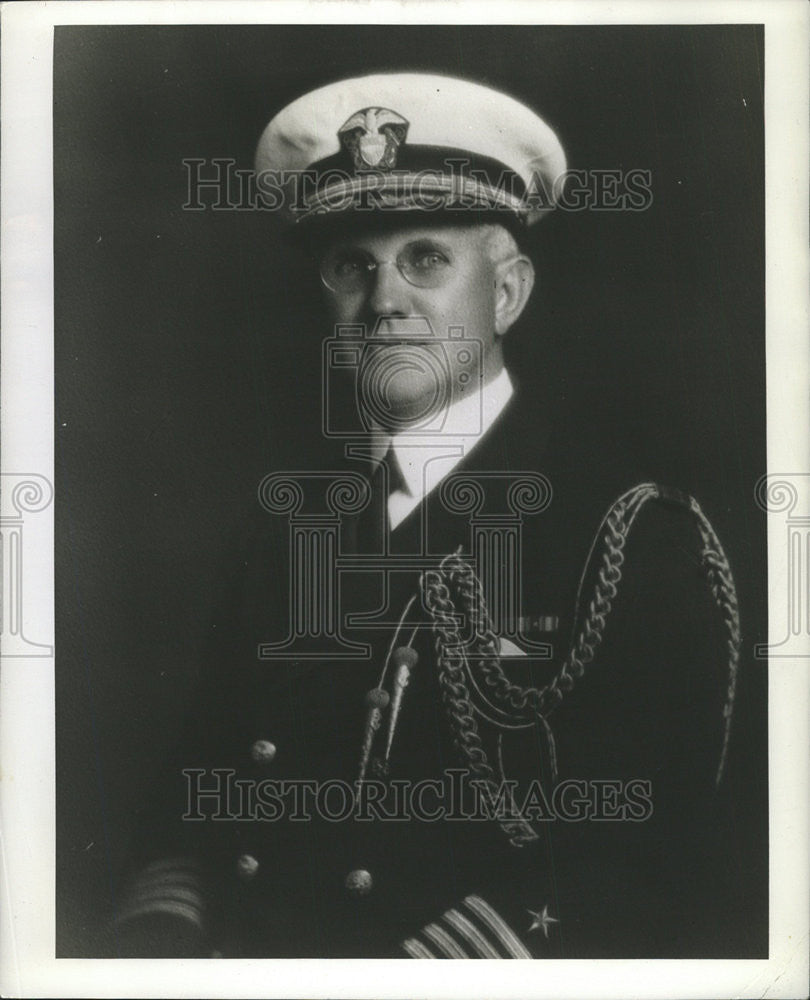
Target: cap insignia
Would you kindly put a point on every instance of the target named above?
(372, 137)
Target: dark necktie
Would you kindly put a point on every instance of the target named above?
(371, 525)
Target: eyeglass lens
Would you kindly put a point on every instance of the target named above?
(349, 269)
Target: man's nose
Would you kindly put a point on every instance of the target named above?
(390, 293)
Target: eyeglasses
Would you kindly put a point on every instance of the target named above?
(348, 270)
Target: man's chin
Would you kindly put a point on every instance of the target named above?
(415, 419)
(400, 411)
(404, 387)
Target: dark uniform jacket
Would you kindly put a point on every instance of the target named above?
(630, 859)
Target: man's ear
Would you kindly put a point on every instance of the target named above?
(514, 280)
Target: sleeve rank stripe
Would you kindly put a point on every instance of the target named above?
(170, 906)
(159, 878)
(469, 931)
(498, 926)
(144, 894)
(416, 949)
(176, 864)
(442, 940)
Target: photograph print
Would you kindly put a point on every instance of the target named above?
(411, 580)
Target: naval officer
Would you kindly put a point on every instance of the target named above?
(551, 647)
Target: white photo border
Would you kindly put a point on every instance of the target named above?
(28, 967)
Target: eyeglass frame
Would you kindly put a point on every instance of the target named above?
(372, 265)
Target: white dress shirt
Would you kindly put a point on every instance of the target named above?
(424, 460)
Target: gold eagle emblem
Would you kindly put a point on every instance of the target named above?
(372, 137)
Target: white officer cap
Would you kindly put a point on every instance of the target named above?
(408, 142)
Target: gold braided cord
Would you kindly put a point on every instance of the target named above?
(456, 698)
(721, 584)
(481, 654)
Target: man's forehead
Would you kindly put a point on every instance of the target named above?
(372, 234)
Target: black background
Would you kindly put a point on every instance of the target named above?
(188, 343)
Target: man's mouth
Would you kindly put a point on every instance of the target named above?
(406, 342)
(401, 330)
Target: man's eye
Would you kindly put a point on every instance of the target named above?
(429, 261)
(349, 266)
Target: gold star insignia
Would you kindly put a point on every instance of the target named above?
(541, 920)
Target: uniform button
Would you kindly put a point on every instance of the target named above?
(359, 882)
(246, 866)
(263, 751)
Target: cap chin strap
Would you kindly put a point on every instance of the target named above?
(397, 193)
